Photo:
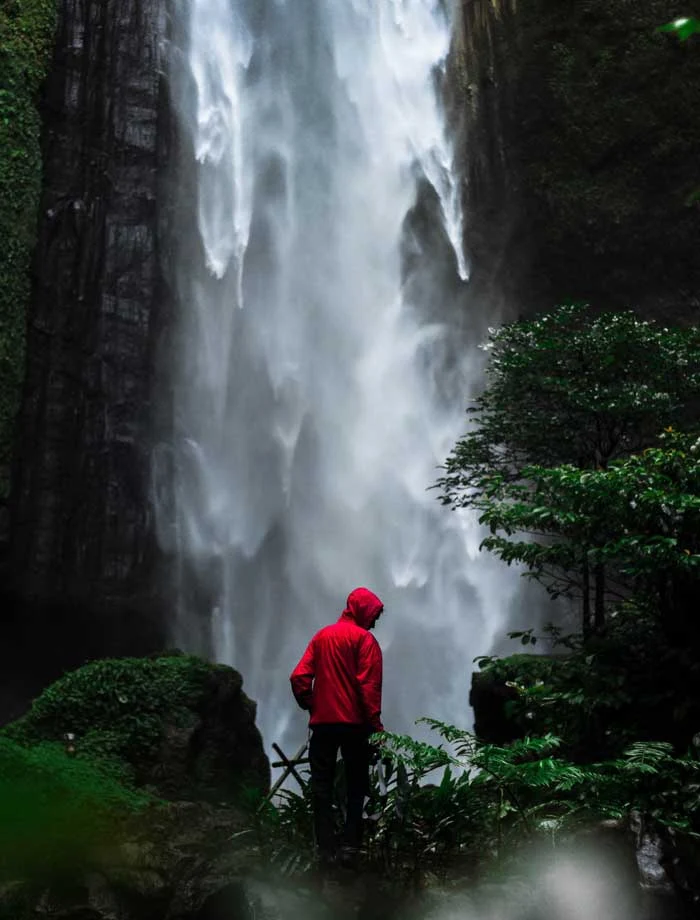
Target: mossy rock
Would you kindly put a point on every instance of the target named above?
(57, 812)
(175, 725)
(494, 695)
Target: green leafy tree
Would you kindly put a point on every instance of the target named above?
(639, 517)
(571, 390)
(627, 684)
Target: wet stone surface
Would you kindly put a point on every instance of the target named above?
(81, 520)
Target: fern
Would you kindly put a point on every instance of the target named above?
(488, 799)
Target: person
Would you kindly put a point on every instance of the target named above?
(339, 681)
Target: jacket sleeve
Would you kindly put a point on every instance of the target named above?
(369, 678)
(302, 678)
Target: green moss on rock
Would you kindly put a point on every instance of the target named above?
(57, 810)
(26, 34)
(177, 725)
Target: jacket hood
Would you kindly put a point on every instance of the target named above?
(362, 607)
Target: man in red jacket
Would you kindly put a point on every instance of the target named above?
(339, 680)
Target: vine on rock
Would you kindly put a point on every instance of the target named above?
(26, 35)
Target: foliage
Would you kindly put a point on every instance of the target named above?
(502, 792)
(117, 709)
(58, 811)
(26, 34)
(284, 830)
(641, 512)
(489, 799)
(571, 387)
(626, 684)
(549, 462)
(683, 27)
(639, 518)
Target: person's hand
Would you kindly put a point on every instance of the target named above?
(377, 747)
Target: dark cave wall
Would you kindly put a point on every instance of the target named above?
(80, 519)
(582, 144)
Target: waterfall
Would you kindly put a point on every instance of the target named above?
(324, 353)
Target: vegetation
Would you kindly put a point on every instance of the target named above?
(569, 468)
(26, 33)
(559, 464)
(601, 694)
(637, 519)
(125, 697)
(487, 801)
(683, 27)
(572, 387)
(115, 762)
(117, 712)
(58, 811)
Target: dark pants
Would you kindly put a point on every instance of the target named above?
(323, 752)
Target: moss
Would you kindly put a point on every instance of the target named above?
(26, 33)
(118, 709)
(57, 811)
(175, 725)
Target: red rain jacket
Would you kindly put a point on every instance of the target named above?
(339, 676)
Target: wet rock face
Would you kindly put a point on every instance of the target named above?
(579, 154)
(80, 529)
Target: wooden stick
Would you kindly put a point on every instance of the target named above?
(296, 759)
(290, 764)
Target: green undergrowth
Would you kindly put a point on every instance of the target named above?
(475, 808)
(26, 34)
(94, 751)
(58, 811)
(624, 685)
(118, 710)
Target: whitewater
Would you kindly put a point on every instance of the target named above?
(325, 352)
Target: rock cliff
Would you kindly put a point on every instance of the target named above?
(579, 161)
(81, 536)
(580, 154)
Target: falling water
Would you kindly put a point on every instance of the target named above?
(324, 353)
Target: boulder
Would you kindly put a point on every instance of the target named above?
(490, 697)
(174, 725)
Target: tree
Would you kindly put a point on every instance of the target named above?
(638, 518)
(573, 390)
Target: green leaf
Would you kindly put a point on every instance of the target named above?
(683, 27)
